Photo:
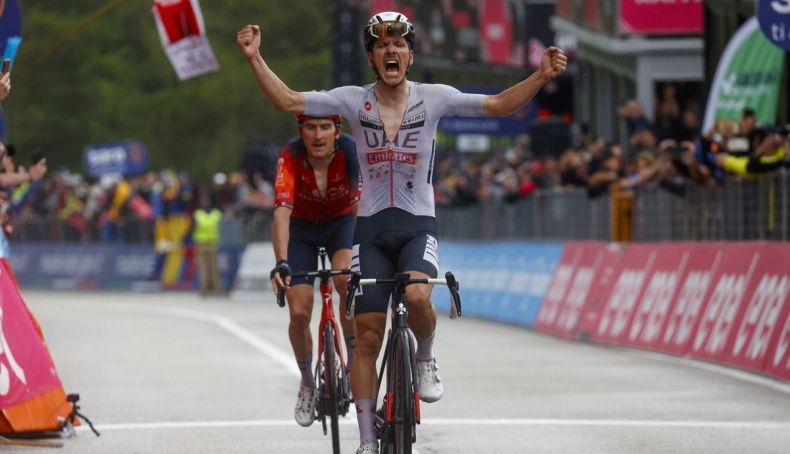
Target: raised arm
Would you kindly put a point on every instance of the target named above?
(279, 95)
(552, 64)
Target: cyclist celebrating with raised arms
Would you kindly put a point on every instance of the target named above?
(316, 194)
(394, 123)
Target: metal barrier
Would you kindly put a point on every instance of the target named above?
(747, 209)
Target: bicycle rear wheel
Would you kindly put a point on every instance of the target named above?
(402, 396)
(331, 386)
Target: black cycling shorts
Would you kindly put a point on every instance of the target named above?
(306, 237)
(389, 242)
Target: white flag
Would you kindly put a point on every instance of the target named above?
(182, 31)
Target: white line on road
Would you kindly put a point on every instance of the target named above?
(277, 355)
(687, 424)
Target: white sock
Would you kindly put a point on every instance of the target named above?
(425, 348)
(365, 409)
(306, 369)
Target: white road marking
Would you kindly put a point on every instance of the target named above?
(276, 354)
(683, 424)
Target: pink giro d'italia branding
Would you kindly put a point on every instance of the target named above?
(26, 369)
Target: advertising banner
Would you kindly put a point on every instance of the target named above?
(748, 75)
(603, 282)
(765, 300)
(182, 32)
(570, 287)
(506, 281)
(777, 361)
(26, 369)
(693, 291)
(658, 296)
(665, 17)
(116, 267)
(774, 18)
(637, 265)
(720, 315)
(126, 158)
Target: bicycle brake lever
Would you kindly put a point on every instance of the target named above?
(453, 286)
(353, 285)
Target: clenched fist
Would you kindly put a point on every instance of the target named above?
(553, 62)
(249, 40)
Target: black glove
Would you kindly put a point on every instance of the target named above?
(282, 267)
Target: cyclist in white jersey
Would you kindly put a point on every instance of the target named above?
(393, 122)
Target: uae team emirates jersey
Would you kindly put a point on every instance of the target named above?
(295, 186)
(398, 172)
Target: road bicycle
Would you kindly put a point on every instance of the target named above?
(330, 370)
(397, 418)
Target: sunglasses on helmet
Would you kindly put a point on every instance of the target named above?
(389, 29)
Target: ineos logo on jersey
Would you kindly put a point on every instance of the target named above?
(380, 156)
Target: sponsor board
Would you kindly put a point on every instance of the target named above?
(658, 295)
(505, 281)
(693, 291)
(723, 306)
(569, 289)
(764, 302)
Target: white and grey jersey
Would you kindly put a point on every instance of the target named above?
(399, 173)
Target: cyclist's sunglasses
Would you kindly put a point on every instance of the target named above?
(391, 29)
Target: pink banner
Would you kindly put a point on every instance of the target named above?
(26, 369)
(605, 278)
(657, 298)
(765, 301)
(665, 17)
(615, 317)
(777, 362)
(690, 301)
(738, 269)
(570, 288)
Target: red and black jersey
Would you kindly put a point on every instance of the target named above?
(295, 186)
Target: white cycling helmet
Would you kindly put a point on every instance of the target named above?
(388, 24)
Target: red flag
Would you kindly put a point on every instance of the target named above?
(182, 32)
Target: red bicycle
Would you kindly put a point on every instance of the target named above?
(330, 369)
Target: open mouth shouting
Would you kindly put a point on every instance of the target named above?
(391, 67)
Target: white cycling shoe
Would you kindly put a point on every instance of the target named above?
(304, 411)
(369, 448)
(431, 388)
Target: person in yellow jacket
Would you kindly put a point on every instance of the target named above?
(205, 234)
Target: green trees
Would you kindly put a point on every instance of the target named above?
(112, 81)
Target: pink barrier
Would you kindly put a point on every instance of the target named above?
(723, 302)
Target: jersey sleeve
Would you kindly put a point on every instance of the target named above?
(454, 102)
(285, 180)
(335, 101)
(352, 167)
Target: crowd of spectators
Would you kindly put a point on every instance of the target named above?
(668, 152)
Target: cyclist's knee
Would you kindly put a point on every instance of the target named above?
(419, 296)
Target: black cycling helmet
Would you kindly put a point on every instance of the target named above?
(388, 24)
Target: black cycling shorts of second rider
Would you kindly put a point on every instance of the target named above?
(389, 242)
(306, 237)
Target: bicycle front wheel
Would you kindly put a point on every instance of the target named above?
(402, 395)
(331, 385)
